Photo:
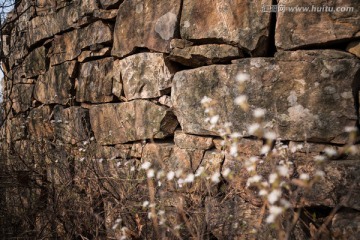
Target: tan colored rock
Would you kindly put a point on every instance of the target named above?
(90, 55)
(55, 85)
(166, 101)
(313, 101)
(35, 63)
(47, 25)
(15, 129)
(321, 26)
(158, 154)
(106, 14)
(21, 96)
(153, 25)
(180, 43)
(196, 56)
(107, 4)
(345, 225)
(136, 120)
(95, 81)
(39, 124)
(117, 82)
(339, 186)
(71, 124)
(145, 75)
(186, 159)
(354, 48)
(237, 22)
(137, 150)
(68, 46)
(183, 140)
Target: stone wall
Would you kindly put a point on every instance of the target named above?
(122, 81)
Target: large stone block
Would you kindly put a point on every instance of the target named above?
(153, 25)
(39, 125)
(35, 63)
(55, 85)
(307, 95)
(145, 75)
(68, 46)
(71, 124)
(48, 24)
(238, 22)
(95, 81)
(320, 26)
(131, 121)
(21, 96)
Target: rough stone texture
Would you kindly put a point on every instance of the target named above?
(354, 48)
(145, 75)
(195, 56)
(39, 125)
(304, 108)
(95, 81)
(68, 46)
(117, 82)
(158, 17)
(186, 159)
(158, 154)
(107, 4)
(135, 120)
(35, 63)
(340, 185)
(238, 22)
(55, 85)
(345, 225)
(183, 140)
(71, 124)
(22, 97)
(320, 27)
(15, 129)
(90, 55)
(61, 20)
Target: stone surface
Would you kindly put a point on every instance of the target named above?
(107, 4)
(71, 124)
(153, 25)
(91, 55)
(195, 56)
(35, 63)
(15, 129)
(145, 75)
(68, 46)
(354, 48)
(136, 120)
(117, 82)
(39, 125)
(61, 20)
(302, 107)
(55, 85)
(158, 154)
(340, 185)
(187, 160)
(346, 225)
(95, 81)
(22, 97)
(183, 140)
(238, 22)
(321, 27)
(106, 14)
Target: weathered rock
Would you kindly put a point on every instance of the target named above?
(322, 26)
(39, 124)
(107, 4)
(183, 140)
(153, 25)
(117, 82)
(35, 63)
(106, 14)
(15, 129)
(71, 124)
(95, 81)
(166, 101)
(237, 22)
(136, 120)
(180, 43)
(55, 85)
(158, 154)
(346, 225)
(39, 28)
(340, 185)
(202, 55)
(21, 96)
(145, 75)
(234, 218)
(354, 48)
(186, 159)
(68, 46)
(17, 48)
(304, 108)
(91, 55)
